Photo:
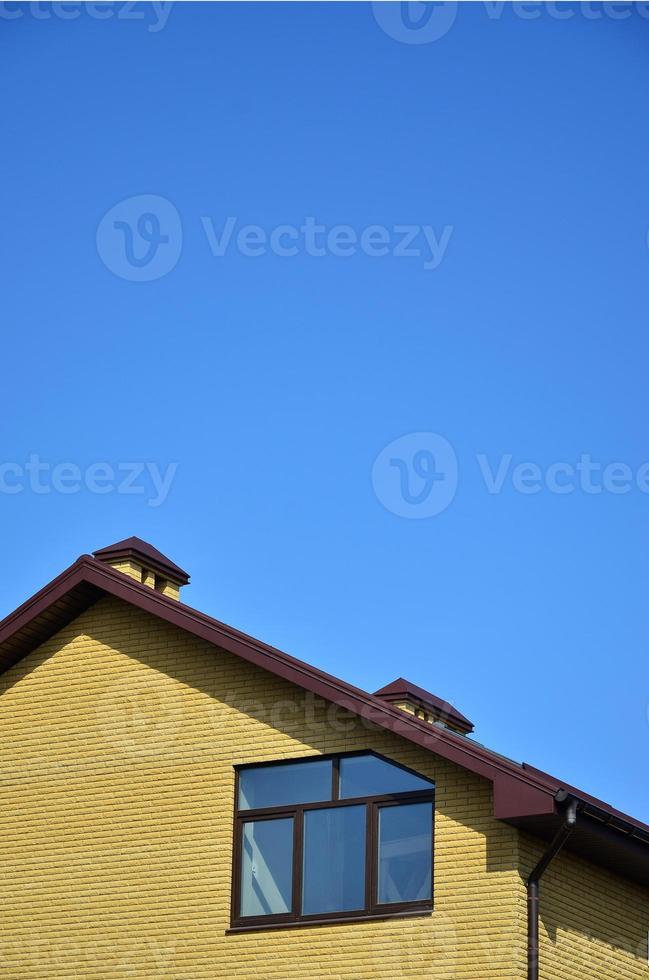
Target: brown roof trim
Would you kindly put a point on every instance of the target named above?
(520, 791)
(605, 812)
(454, 747)
(36, 621)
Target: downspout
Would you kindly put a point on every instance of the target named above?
(534, 879)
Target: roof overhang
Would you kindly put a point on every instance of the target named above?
(522, 795)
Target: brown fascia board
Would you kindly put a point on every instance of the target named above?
(46, 612)
(591, 806)
(520, 791)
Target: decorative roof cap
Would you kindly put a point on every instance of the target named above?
(408, 693)
(139, 551)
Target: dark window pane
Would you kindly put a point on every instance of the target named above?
(296, 782)
(405, 853)
(334, 860)
(267, 867)
(367, 775)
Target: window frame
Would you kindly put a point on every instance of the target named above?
(372, 909)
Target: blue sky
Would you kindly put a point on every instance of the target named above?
(252, 397)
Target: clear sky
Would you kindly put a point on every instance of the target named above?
(249, 383)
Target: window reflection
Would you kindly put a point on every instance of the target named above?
(405, 853)
(367, 775)
(266, 875)
(334, 860)
(296, 782)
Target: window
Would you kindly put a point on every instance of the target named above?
(333, 869)
(266, 883)
(369, 775)
(331, 838)
(276, 785)
(405, 852)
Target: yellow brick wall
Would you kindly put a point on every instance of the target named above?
(136, 571)
(118, 739)
(593, 924)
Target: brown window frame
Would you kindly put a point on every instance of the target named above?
(372, 908)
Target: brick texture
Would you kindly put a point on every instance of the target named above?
(593, 924)
(118, 739)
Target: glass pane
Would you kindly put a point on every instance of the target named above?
(267, 867)
(366, 775)
(334, 860)
(405, 853)
(297, 782)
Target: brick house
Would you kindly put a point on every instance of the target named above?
(180, 800)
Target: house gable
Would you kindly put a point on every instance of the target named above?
(522, 795)
(118, 741)
(122, 715)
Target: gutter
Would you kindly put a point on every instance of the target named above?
(533, 882)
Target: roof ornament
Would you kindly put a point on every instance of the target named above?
(141, 561)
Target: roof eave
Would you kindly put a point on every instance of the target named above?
(520, 792)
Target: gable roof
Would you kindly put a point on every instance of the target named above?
(522, 795)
